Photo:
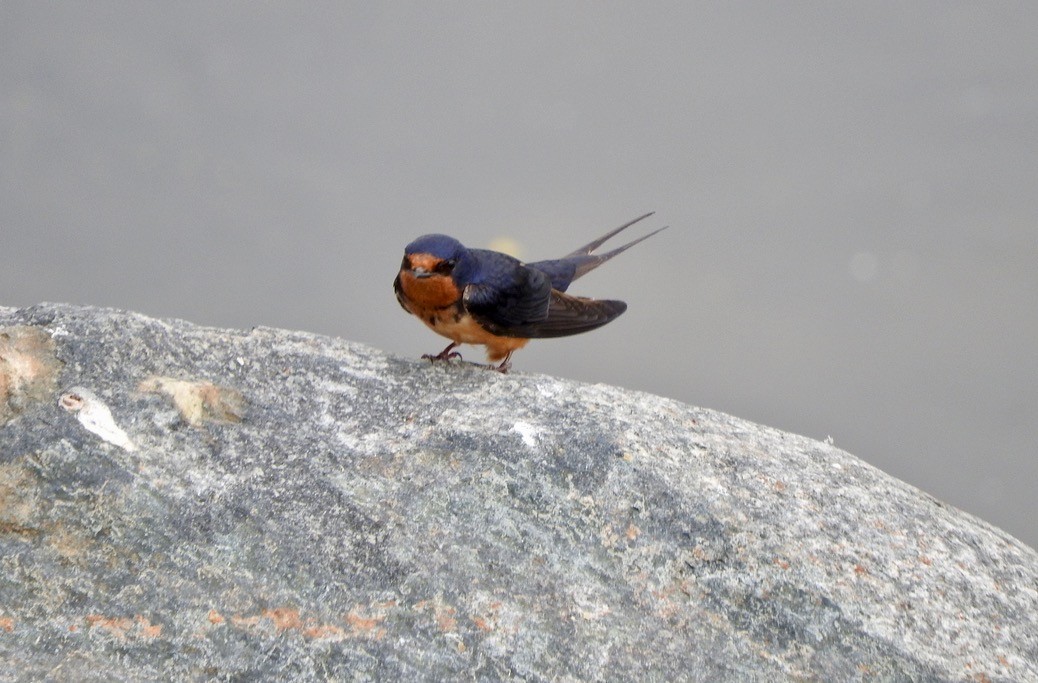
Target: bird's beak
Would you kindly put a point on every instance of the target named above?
(421, 273)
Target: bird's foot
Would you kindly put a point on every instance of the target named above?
(441, 356)
(504, 367)
(446, 354)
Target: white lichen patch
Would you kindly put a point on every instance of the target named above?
(95, 415)
(528, 432)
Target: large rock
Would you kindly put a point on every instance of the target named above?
(180, 502)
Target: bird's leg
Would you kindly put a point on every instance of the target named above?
(505, 364)
(446, 354)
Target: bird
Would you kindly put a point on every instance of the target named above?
(484, 297)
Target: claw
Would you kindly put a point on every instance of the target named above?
(446, 354)
(506, 364)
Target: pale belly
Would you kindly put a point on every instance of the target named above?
(459, 326)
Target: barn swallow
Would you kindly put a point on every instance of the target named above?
(478, 296)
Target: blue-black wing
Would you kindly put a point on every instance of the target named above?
(535, 310)
(572, 315)
(506, 295)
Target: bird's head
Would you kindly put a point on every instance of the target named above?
(433, 256)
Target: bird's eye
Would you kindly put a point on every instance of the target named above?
(445, 266)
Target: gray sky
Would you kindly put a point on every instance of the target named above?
(851, 191)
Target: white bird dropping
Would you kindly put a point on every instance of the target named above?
(93, 414)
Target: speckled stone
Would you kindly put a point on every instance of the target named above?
(332, 512)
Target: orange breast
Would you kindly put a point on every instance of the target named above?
(435, 291)
(434, 300)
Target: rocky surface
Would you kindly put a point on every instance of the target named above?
(180, 502)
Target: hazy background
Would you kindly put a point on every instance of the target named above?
(852, 190)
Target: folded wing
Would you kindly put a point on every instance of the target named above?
(565, 315)
(503, 304)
